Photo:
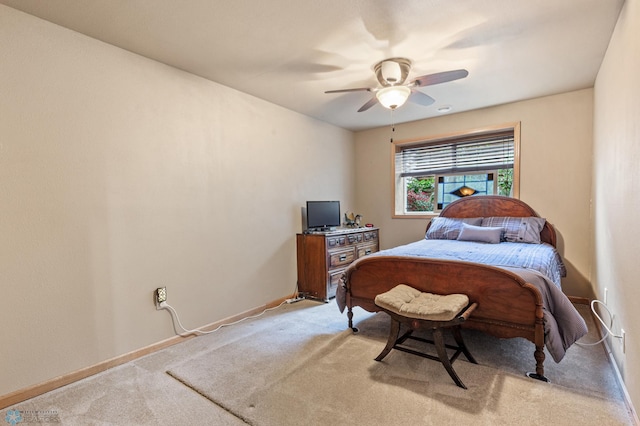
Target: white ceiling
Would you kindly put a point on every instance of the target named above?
(290, 51)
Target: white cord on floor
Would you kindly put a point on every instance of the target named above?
(199, 332)
(606, 327)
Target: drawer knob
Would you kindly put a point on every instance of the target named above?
(343, 257)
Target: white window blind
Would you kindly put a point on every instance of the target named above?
(488, 152)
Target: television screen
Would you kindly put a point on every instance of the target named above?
(323, 214)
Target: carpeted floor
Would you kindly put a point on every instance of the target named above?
(299, 364)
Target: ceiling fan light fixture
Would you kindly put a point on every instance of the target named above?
(393, 97)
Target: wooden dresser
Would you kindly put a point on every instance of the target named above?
(323, 257)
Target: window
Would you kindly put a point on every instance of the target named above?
(431, 173)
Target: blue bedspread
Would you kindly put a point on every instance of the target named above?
(538, 257)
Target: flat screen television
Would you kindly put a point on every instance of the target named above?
(323, 215)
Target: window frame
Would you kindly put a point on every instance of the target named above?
(398, 196)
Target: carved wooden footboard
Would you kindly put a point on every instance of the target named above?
(507, 305)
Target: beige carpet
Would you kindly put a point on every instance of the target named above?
(297, 368)
(300, 365)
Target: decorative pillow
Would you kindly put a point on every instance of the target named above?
(481, 234)
(518, 229)
(448, 228)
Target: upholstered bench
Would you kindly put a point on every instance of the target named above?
(426, 311)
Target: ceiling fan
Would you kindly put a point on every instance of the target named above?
(393, 92)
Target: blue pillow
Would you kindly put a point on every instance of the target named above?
(448, 228)
(518, 229)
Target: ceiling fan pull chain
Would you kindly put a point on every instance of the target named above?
(393, 127)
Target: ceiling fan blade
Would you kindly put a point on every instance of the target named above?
(369, 104)
(358, 89)
(439, 77)
(420, 98)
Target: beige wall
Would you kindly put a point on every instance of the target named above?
(119, 175)
(616, 201)
(555, 172)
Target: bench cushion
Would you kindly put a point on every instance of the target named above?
(409, 302)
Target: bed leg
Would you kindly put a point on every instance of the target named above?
(539, 374)
(350, 316)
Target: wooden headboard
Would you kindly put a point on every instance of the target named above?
(496, 205)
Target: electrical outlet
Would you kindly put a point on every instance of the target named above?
(161, 295)
(623, 334)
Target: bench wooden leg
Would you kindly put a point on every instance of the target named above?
(394, 330)
(458, 337)
(438, 340)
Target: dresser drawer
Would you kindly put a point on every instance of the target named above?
(344, 257)
(365, 249)
(338, 241)
(354, 238)
(370, 236)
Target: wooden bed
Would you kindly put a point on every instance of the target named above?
(507, 305)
